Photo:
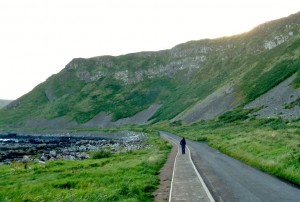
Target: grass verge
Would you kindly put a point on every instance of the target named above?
(272, 145)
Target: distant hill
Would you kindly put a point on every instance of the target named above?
(3, 103)
(190, 82)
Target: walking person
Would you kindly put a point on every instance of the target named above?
(183, 143)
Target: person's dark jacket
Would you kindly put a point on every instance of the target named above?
(182, 142)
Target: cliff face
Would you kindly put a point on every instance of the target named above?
(192, 81)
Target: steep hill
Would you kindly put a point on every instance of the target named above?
(192, 81)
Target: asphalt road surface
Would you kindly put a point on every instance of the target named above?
(230, 180)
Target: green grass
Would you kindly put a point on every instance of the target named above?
(131, 176)
(292, 104)
(233, 115)
(267, 80)
(272, 145)
(101, 154)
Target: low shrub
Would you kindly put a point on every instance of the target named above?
(101, 154)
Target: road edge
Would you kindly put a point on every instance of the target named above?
(198, 174)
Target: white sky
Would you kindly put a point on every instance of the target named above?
(39, 37)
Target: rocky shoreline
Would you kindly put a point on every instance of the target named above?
(67, 146)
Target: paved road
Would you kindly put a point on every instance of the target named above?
(230, 180)
(187, 184)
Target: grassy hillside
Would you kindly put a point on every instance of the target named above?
(176, 78)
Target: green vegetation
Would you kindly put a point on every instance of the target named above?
(256, 85)
(293, 104)
(87, 87)
(272, 145)
(176, 79)
(125, 85)
(234, 115)
(101, 154)
(130, 176)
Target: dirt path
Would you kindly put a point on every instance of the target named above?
(165, 176)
